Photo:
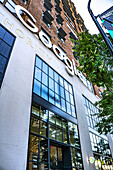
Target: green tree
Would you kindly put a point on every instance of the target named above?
(96, 61)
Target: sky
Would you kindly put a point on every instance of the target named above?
(97, 6)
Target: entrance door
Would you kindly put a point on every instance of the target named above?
(56, 158)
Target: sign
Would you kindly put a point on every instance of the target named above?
(107, 20)
(91, 160)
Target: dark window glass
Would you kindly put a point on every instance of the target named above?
(43, 150)
(34, 125)
(6, 44)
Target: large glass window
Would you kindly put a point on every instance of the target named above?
(46, 126)
(101, 152)
(52, 87)
(91, 110)
(6, 44)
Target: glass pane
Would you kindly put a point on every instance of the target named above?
(44, 115)
(44, 92)
(34, 125)
(64, 125)
(2, 32)
(58, 121)
(53, 156)
(3, 62)
(73, 155)
(43, 150)
(43, 129)
(70, 89)
(72, 141)
(57, 88)
(51, 84)
(44, 79)
(67, 95)
(51, 97)
(59, 135)
(43, 166)
(33, 147)
(68, 108)
(57, 100)
(35, 111)
(70, 126)
(38, 62)
(4, 49)
(61, 81)
(45, 68)
(66, 85)
(50, 72)
(63, 104)
(73, 111)
(52, 132)
(37, 87)
(56, 77)
(72, 101)
(65, 137)
(51, 117)
(60, 154)
(37, 73)
(32, 166)
(8, 38)
(62, 92)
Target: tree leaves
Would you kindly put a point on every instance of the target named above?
(96, 61)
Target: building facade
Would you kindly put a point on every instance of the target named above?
(46, 104)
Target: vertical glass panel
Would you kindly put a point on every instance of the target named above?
(34, 125)
(61, 81)
(72, 100)
(57, 88)
(51, 84)
(68, 108)
(45, 68)
(32, 166)
(70, 126)
(2, 32)
(65, 137)
(4, 49)
(44, 115)
(72, 141)
(56, 77)
(52, 132)
(43, 129)
(43, 150)
(63, 104)
(38, 62)
(67, 95)
(37, 73)
(3, 62)
(60, 154)
(66, 85)
(73, 111)
(58, 121)
(37, 87)
(44, 79)
(51, 97)
(8, 38)
(53, 156)
(35, 111)
(59, 135)
(73, 155)
(62, 91)
(70, 89)
(57, 100)
(51, 72)
(44, 92)
(33, 147)
(64, 125)
(51, 117)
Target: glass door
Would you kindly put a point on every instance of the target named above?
(56, 158)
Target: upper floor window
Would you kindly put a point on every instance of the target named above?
(47, 18)
(52, 87)
(91, 110)
(6, 44)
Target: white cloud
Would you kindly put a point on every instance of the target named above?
(97, 6)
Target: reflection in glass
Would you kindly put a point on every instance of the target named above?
(33, 147)
(65, 136)
(51, 84)
(51, 97)
(45, 68)
(59, 135)
(34, 125)
(35, 111)
(44, 79)
(58, 121)
(37, 87)
(51, 117)
(38, 62)
(43, 150)
(53, 155)
(44, 115)
(52, 132)
(43, 128)
(44, 92)
(37, 73)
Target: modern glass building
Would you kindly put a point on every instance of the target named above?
(46, 104)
